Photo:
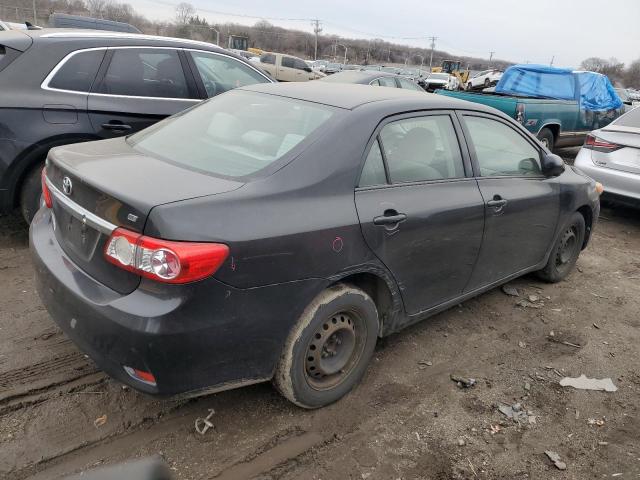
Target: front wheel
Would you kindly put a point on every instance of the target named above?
(546, 138)
(566, 250)
(327, 352)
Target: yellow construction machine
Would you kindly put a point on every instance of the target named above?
(453, 67)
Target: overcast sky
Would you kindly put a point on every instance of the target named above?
(518, 31)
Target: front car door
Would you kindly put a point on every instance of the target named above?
(521, 204)
(420, 209)
(289, 72)
(137, 87)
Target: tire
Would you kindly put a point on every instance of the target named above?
(487, 83)
(546, 138)
(469, 86)
(328, 350)
(566, 250)
(30, 193)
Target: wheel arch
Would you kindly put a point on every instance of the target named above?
(33, 156)
(587, 214)
(379, 285)
(554, 128)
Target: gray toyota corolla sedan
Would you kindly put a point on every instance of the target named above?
(276, 231)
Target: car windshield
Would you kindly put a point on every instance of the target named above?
(233, 134)
(629, 119)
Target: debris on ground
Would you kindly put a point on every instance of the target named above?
(533, 298)
(422, 364)
(463, 382)
(527, 304)
(584, 383)
(516, 413)
(204, 424)
(555, 458)
(495, 429)
(511, 291)
(527, 386)
(100, 421)
(522, 345)
(461, 442)
(596, 421)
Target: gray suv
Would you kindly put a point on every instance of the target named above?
(63, 86)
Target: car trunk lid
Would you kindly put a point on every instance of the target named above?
(99, 186)
(626, 159)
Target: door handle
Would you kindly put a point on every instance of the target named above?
(390, 217)
(116, 126)
(498, 202)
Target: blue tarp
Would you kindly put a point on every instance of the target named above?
(596, 92)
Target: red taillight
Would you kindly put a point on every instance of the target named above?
(594, 143)
(144, 377)
(46, 194)
(164, 260)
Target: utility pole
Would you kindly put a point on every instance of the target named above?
(317, 29)
(35, 17)
(490, 58)
(552, 59)
(433, 45)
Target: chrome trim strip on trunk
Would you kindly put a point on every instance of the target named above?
(85, 216)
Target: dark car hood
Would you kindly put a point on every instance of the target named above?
(113, 170)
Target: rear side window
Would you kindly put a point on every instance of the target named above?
(629, 119)
(269, 58)
(233, 134)
(408, 84)
(373, 171)
(78, 71)
(145, 72)
(422, 148)
(288, 62)
(220, 73)
(500, 150)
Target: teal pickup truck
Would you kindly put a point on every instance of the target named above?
(558, 106)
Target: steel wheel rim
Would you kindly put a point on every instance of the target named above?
(568, 245)
(334, 350)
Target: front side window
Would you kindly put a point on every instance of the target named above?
(387, 82)
(299, 64)
(422, 148)
(233, 135)
(145, 72)
(408, 84)
(220, 73)
(288, 62)
(78, 72)
(500, 150)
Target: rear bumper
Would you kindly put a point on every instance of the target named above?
(190, 337)
(615, 182)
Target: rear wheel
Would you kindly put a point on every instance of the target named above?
(487, 83)
(30, 193)
(328, 351)
(566, 250)
(546, 138)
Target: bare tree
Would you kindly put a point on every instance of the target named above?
(96, 7)
(184, 12)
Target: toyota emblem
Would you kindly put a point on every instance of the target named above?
(67, 186)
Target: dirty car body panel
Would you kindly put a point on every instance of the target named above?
(300, 224)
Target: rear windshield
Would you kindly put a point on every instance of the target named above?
(629, 119)
(234, 134)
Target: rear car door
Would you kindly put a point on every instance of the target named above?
(217, 73)
(138, 86)
(521, 204)
(420, 211)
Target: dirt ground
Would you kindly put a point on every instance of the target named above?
(407, 420)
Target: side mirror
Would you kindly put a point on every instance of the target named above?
(552, 165)
(308, 69)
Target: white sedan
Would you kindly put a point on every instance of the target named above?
(484, 79)
(611, 155)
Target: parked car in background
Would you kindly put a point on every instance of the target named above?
(558, 106)
(319, 64)
(244, 53)
(17, 26)
(484, 79)
(306, 221)
(627, 99)
(376, 78)
(287, 68)
(611, 155)
(68, 86)
(64, 20)
(434, 81)
(331, 68)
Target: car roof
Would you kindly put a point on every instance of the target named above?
(351, 96)
(71, 34)
(357, 76)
